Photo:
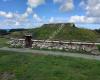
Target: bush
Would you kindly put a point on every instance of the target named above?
(17, 34)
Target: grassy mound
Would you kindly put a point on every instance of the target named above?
(69, 32)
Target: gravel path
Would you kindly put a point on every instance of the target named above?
(54, 53)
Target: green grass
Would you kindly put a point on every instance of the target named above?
(3, 42)
(27, 66)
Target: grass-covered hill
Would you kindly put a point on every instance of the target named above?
(68, 32)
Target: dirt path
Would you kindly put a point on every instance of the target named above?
(54, 53)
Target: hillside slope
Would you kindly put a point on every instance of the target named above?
(68, 32)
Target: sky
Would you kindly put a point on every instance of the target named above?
(33, 13)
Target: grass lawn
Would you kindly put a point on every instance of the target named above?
(27, 66)
(3, 42)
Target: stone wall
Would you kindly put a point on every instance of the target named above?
(58, 45)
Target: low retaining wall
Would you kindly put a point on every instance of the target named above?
(59, 45)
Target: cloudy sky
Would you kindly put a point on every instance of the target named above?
(33, 13)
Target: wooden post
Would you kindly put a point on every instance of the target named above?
(28, 41)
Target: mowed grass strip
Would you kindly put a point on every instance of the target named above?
(27, 66)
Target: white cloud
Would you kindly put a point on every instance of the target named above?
(92, 14)
(31, 4)
(51, 20)
(2, 13)
(6, 15)
(29, 10)
(35, 3)
(7, 23)
(25, 15)
(92, 7)
(37, 18)
(57, 20)
(84, 19)
(17, 23)
(82, 4)
(66, 5)
(16, 20)
(9, 15)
